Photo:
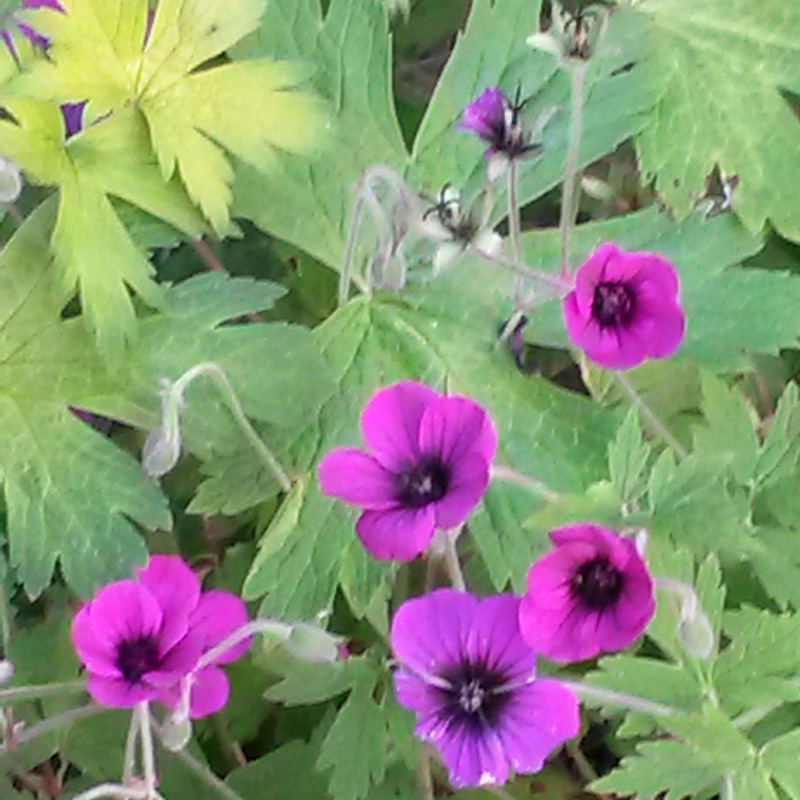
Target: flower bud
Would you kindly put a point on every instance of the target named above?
(10, 181)
(162, 448)
(176, 732)
(6, 670)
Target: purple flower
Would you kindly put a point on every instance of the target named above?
(591, 594)
(625, 308)
(495, 119)
(470, 678)
(427, 468)
(139, 639)
(73, 117)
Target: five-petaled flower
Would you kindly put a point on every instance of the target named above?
(625, 307)
(470, 678)
(495, 119)
(427, 468)
(593, 593)
(143, 639)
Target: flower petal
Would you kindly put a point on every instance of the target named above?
(356, 477)
(428, 633)
(399, 534)
(467, 485)
(494, 640)
(123, 611)
(590, 273)
(453, 427)
(210, 690)
(117, 692)
(390, 422)
(171, 581)
(99, 656)
(217, 616)
(541, 717)
(473, 757)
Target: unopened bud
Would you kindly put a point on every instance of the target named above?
(696, 635)
(6, 670)
(162, 448)
(10, 181)
(176, 732)
(312, 643)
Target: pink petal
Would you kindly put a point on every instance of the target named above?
(210, 690)
(428, 632)
(177, 589)
(494, 639)
(390, 422)
(217, 616)
(670, 330)
(357, 478)
(593, 271)
(473, 758)
(468, 482)
(123, 611)
(399, 534)
(453, 427)
(100, 657)
(543, 715)
(117, 692)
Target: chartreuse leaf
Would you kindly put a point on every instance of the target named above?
(109, 160)
(492, 50)
(718, 110)
(778, 456)
(716, 294)
(350, 50)
(780, 757)
(195, 114)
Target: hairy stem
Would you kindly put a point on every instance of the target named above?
(454, 570)
(535, 487)
(424, 778)
(659, 428)
(220, 378)
(621, 700)
(569, 193)
(148, 749)
(20, 694)
(514, 223)
(55, 722)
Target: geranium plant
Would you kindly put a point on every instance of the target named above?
(399, 399)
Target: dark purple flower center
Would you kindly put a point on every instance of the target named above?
(473, 698)
(597, 583)
(614, 303)
(425, 482)
(136, 657)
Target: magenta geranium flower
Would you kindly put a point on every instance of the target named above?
(592, 594)
(140, 638)
(470, 678)
(427, 467)
(625, 307)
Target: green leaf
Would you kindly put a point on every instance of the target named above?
(780, 451)
(111, 159)
(718, 110)
(780, 757)
(627, 459)
(359, 728)
(760, 665)
(350, 53)
(730, 428)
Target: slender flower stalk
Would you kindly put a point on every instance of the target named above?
(515, 224)
(162, 448)
(659, 428)
(621, 699)
(535, 487)
(22, 694)
(52, 724)
(452, 561)
(571, 185)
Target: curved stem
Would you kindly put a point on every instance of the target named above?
(424, 779)
(220, 378)
(546, 279)
(514, 223)
(55, 722)
(129, 757)
(148, 750)
(569, 193)
(508, 475)
(629, 701)
(19, 694)
(118, 792)
(451, 560)
(655, 423)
